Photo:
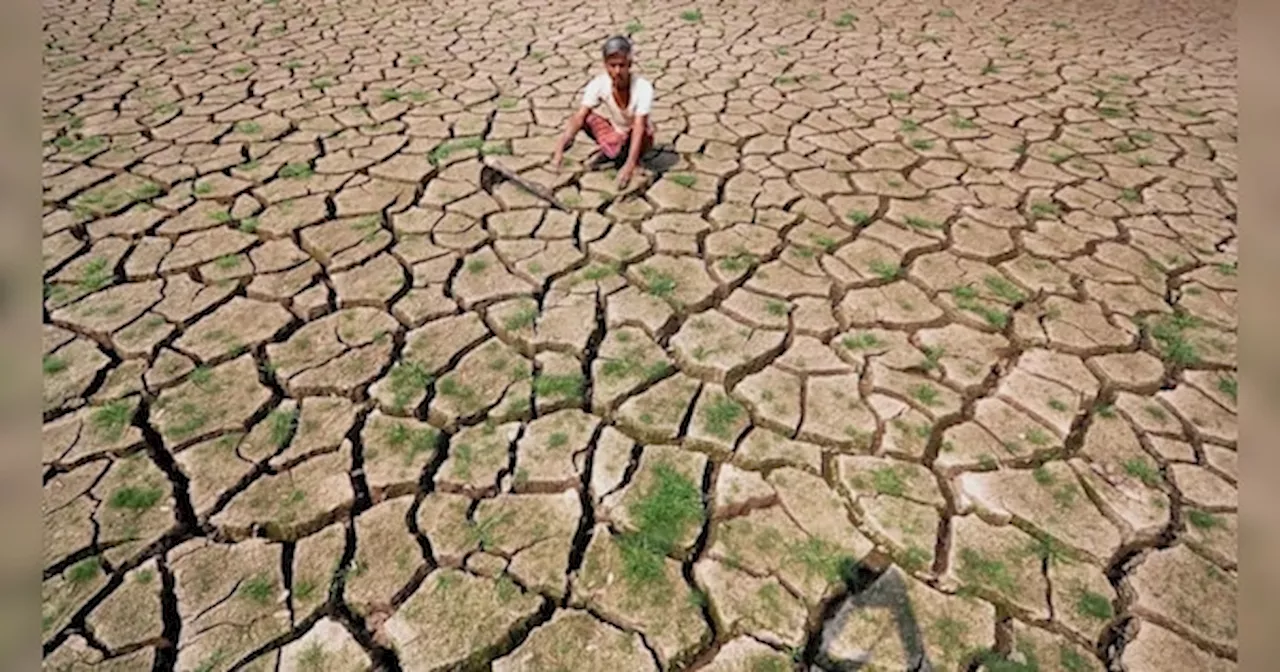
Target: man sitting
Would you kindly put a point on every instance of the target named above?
(614, 112)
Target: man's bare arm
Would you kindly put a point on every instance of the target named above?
(571, 128)
(638, 127)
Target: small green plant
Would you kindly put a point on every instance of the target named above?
(926, 394)
(962, 123)
(280, 424)
(135, 498)
(820, 558)
(53, 365)
(84, 571)
(1143, 470)
(909, 125)
(248, 127)
(1168, 332)
(1057, 405)
(1003, 288)
(567, 386)
(1202, 520)
(883, 270)
(634, 26)
(921, 223)
(691, 15)
(899, 96)
(684, 179)
(1037, 437)
(523, 318)
(978, 569)
(96, 274)
(990, 69)
(1229, 386)
(296, 171)
(1093, 605)
(446, 149)
(845, 20)
(858, 217)
(660, 284)
(662, 516)
(860, 341)
(1044, 210)
(258, 589)
(888, 481)
(477, 266)
(110, 420)
(720, 415)
(249, 225)
(922, 144)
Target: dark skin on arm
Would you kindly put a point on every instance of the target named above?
(619, 69)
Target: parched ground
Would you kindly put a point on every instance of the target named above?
(913, 348)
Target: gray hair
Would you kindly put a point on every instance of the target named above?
(617, 45)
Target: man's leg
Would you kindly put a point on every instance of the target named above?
(604, 134)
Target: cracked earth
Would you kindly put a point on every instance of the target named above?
(913, 347)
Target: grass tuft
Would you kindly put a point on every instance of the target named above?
(663, 516)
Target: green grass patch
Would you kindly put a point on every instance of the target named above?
(406, 380)
(567, 386)
(521, 319)
(691, 15)
(860, 341)
(446, 149)
(1141, 469)
(926, 394)
(684, 179)
(884, 270)
(1229, 386)
(135, 499)
(52, 365)
(660, 284)
(858, 217)
(280, 424)
(1003, 288)
(922, 223)
(1093, 605)
(84, 571)
(719, 416)
(979, 569)
(888, 481)
(1169, 335)
(259, 589)
(109, 421)
(820, 558)
(663, 515)
(845, 20)
(1203, 520)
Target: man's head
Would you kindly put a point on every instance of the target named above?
(617, 59)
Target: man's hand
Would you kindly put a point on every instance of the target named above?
(624, 176)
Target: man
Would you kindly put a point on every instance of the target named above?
(614, 112)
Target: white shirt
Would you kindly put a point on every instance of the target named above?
(599, 97)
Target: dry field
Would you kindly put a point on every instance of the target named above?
(913, 348)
